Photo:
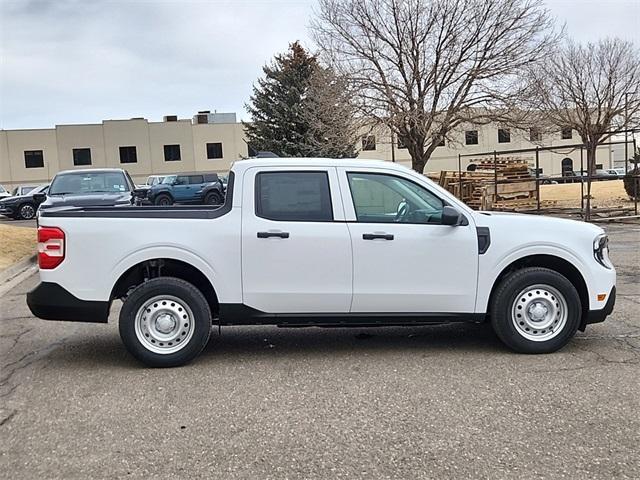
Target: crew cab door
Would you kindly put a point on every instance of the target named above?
(404, 259)
(181, 188)
(296, 249)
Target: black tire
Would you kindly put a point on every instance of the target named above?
(26, 211)
(515, 332)
(174, 289)
(163, 200)
(213, 198)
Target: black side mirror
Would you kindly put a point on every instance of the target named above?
(39, 197)
(450, 216)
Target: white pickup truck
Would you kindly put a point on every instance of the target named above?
(316, 242)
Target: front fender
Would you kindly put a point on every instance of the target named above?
(491, 266)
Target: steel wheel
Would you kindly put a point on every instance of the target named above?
(539, 313)
(164, 324)
(27, 212)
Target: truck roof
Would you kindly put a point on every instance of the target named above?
(242, 165)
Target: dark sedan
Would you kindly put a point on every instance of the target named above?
(23, 207)
(91, 187)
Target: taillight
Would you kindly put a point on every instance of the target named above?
(50, 247)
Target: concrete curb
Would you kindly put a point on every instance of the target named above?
(16, 269)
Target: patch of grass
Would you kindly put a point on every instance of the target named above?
(17, 243)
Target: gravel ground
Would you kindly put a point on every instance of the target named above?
(262, 402)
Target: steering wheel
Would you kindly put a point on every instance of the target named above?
(402, 211)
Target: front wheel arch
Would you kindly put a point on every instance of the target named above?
(556, 264)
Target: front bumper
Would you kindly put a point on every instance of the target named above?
(7, 211)
(597, 316)
(50, 301)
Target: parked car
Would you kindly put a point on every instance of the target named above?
(317, 242)
(194, 188)
(4, 193)
(89, 187)
(22, 207)
(618, 172)
(154, 180)
(22, 190)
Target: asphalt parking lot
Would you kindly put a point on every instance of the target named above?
(261, 402)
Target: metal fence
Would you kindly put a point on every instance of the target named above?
(573, 201)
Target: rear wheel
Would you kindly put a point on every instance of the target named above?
(165, 322)
(163, 200)
(213, 198)
(26, 211)
(535, 310)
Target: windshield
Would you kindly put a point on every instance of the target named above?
(40, 189)
(151, 181)
(2, 190)
(169, 180)
(88, 182)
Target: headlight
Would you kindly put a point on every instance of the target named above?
(601, 250)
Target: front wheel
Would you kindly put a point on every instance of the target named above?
(163, 200)
(26, 211)
(535, 310)
(165, 322)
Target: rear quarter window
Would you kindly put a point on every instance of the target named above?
(294, 196)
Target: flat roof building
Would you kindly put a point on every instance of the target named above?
(211, 142)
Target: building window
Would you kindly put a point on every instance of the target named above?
(128, 155)
(369, 142)
(214, 150)
(81, 156)
(566, 133)
(534, 135)
(172, 153)
(504, 135)
(471, 137)
(33, 159)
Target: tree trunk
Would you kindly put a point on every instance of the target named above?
(591, 168)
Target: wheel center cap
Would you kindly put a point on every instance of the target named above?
(165, 323)
(537, 312)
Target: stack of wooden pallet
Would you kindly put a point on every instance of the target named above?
(503, 185)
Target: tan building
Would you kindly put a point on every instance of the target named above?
(473, 140)
(210, 142)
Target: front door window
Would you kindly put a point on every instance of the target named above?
(381, 198)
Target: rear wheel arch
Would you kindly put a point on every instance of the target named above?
(166, 267)
(552, 262)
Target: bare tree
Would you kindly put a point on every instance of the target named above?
(593, 89)
(330, 112)
(423, 67)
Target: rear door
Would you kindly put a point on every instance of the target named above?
(181, 188)
(296, 249)
(404, 259)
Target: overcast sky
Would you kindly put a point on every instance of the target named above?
(82, 61)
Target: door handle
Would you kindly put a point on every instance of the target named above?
(273, 234)
(373, 236)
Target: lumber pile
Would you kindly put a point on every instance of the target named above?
(503, 185)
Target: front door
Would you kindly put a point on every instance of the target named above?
(404, 259)
(296, 249)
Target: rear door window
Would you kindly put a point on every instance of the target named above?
(294, 196)
(195, 179)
